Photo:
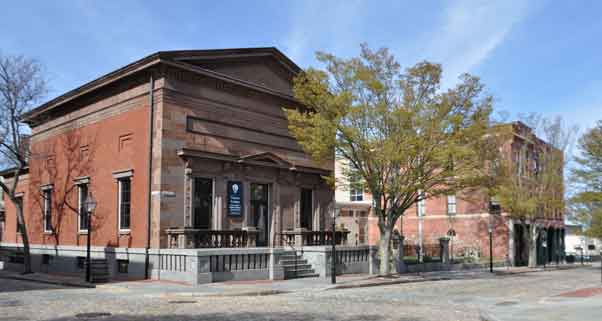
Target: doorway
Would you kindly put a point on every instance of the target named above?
(307, 206)
(521, 250)
(202, 203)
(260, 212)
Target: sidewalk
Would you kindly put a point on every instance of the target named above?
(47, 279)
(447, 275)
(266, 287)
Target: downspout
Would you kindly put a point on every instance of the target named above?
(151, 102)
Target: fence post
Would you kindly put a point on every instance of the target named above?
(444, 249)
(204, 273)
(373, 261)
(400, 265)
(276, 269)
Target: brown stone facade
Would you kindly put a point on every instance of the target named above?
(217, 118)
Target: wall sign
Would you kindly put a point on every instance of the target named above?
(235, 199)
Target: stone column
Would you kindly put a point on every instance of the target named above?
(276, 226)
(444, 245)
(220, 206)
(511, 252)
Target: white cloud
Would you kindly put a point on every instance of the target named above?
(471, 31)
(322, 25)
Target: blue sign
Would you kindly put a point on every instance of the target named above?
(235, 199)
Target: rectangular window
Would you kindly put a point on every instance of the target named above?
(47, 195)
(83, 214)
(124, 203)
(306, 208)
(451, 204)
(122, 266)
(356, 188)
(356, 194)
(421, 206)
(17, 257)
(46, 259)
(19, 200)
(80, 262)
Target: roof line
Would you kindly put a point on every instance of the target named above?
(94, 84)
(158, 58)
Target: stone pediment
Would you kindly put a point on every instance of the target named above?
(268, 158)
(263, 67)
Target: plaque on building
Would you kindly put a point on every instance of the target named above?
(235, 199)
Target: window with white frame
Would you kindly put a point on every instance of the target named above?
(356, 187)
(421, 206)
(356, 194)
(47, 218)
(83, 214)
(451, 204)
(125, 195)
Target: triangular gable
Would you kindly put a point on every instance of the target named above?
(265, 67)
(266, 157)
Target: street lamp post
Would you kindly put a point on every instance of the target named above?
(90, 206)
(494, 209)
(490, 228)
(333, 267)
(544, 244)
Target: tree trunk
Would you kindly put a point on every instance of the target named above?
(25, 238)
(533, 245)
(384, 250)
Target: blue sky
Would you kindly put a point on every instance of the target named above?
(540, 56)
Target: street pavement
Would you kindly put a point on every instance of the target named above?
(574, 294)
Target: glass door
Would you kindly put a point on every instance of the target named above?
(260, 212)
(202, 203)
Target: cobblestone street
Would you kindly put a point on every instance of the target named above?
(551, 295)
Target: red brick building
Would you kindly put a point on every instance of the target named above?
(180, 149)
(464, 218)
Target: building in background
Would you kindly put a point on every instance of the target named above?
(578, 244)
(463, 217)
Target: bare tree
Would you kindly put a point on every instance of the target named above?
(22, 86)
(58, 163)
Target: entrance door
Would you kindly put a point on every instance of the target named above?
(521, 252)
(260, 212)
(307, 205)
(202, 203)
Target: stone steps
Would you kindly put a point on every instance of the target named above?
(99, 270)
(295, 266)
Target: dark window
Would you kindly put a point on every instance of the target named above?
(125, 195)
(306, 208)
(202, 203)
(46, 258)
(47, 194)
(19, 200)
(83, 215)
(591, 247)
(80, 262)
(260, 212)
(17, 258)
(122, 266)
